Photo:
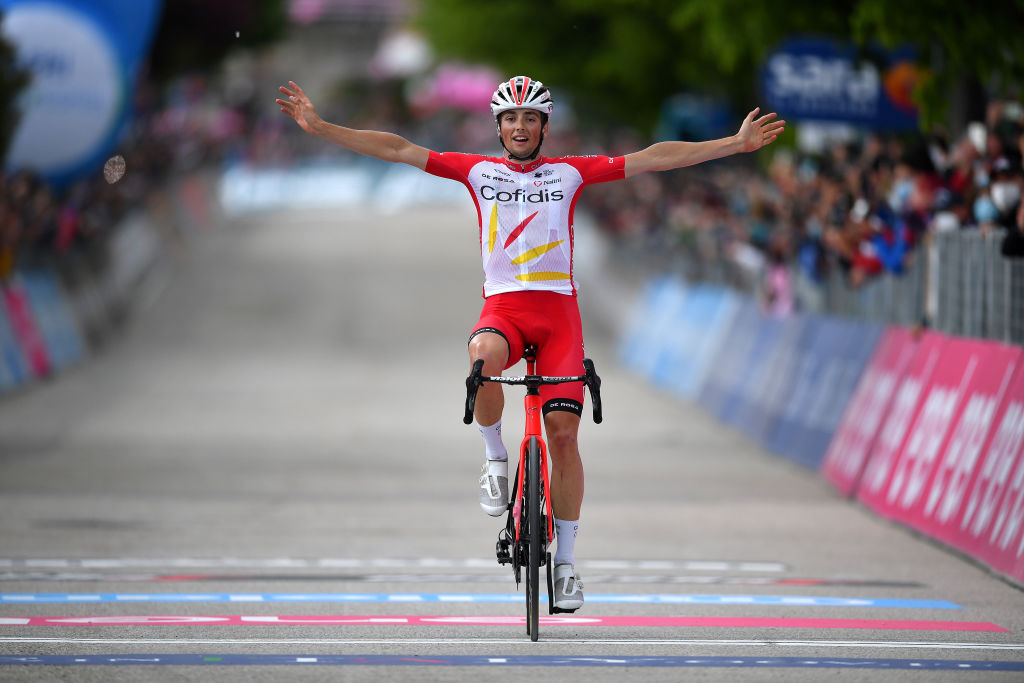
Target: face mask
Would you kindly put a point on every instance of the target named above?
(1005, 195)
(899, 196)
(985, 210)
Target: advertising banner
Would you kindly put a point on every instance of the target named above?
(818, 346)
(818, 79)
(54, 317)
(841, 350)
(952, 382)
(83, 56)
(25, 328)
(767, 333)
(725, 368)
(949, 473)
(988, 522)
(773, 382)
(902, 413)
(861, 422)
(14, 369)
(696, 336)
(645, 341)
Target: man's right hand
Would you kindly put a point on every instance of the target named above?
(299, 107)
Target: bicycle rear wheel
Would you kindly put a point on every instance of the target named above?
(533, 522)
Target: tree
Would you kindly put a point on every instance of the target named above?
(196, 35)
(13, 81)
(980, 41)
(620, 59)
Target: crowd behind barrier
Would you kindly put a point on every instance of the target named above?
(897, 229)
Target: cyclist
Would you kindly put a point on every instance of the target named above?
(525, 205)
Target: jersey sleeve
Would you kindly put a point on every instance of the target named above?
(598, 169)
(453, 165)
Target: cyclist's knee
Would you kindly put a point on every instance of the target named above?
(562, 429)
(492, 348)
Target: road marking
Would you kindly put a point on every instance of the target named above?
(502, 577)
(512, 660)
(487, 620)
(400, 563)
(491, 642)
(607, 598)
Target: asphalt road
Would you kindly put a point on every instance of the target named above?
(266, 477)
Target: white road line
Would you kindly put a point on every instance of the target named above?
(881, 644)
(332, 562)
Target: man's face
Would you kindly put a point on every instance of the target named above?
(521, 130)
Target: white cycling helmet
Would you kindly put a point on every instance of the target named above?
(521, 92)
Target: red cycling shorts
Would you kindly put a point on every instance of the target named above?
(550, 321)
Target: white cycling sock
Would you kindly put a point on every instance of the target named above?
(493, 445)
(565, 532)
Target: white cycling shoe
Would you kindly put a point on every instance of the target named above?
(568, 589)
(494, 487)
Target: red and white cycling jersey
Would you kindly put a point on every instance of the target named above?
(525, 214)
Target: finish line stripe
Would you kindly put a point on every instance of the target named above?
(400, 563)
(720, 580)
(626, 599)
(491, 642)
(507, 661)
(420, 620)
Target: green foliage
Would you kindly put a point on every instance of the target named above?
(619, 59)
(13, 81)
(196, 35)
(981, 40)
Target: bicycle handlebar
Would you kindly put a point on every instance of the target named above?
(477, 378)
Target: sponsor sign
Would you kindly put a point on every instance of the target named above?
(646, 343)
(25, 328)
(809, 78)
(694, 338)
(980, 489)
(767, 335)
(726, 365)
(54, 317)
(953, 381)
(14, 369)
(83, 56)
(903, 409)
(862, 419)
(771, 382)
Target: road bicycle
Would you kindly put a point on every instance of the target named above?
(529, 526)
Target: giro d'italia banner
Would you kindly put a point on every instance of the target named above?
(83, 56)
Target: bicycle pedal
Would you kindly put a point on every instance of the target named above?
(559, 610)
(501, 549)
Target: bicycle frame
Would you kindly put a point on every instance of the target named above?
(512, 547)
(533, 429)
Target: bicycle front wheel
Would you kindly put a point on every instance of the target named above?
(533, 522)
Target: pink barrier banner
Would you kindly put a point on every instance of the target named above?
(851, 445)
(901, 414)
(987, 518)
(964, 427)
(26, 330)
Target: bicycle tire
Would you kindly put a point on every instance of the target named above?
(533, 539)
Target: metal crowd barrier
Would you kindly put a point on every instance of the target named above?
(959, 284)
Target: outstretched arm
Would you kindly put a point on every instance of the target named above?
(386, 146)
(663, 156)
